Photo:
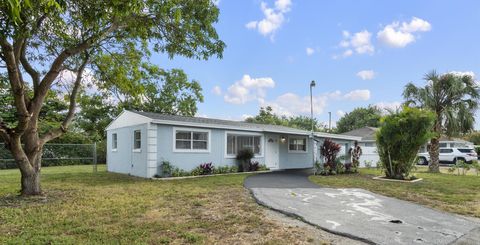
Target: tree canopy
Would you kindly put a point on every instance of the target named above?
(454, 100)
(110, 40)
(267, 116)
(358, 118)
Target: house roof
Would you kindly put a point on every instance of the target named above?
(233, 125)
(366, 133)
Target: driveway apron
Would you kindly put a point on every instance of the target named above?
(358, 213)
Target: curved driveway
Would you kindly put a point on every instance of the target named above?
(358, 213)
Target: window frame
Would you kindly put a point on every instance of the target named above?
(114, 141)
(297, 137)
(191, 130)
(134, 149)
(240, 133)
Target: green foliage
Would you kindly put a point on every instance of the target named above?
(453, 98)
(358, 118)
(244, 157)
(462, 167)
(266, 116)
(166, 169)
(473, 137)
(399, 139)
(476, 166)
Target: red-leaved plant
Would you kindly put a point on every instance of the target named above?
(206, 168)
(329, 151)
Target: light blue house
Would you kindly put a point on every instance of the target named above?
(137, 143)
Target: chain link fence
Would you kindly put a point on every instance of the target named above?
(56, 155)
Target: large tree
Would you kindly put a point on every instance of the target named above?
(358, 118)
(453, 98)
(44, 38)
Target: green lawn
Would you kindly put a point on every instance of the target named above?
(456, 194)
(81, 207)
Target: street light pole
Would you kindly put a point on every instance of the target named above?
(314, 148)
(312, 84)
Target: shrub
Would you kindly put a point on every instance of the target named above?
(177, 172)
(476, 166)
(206, 168)
(166, 169)
(368, 164)
(221, 170)
(244, 156)
(262, 167)
(399, 139)
(254, 166)
(329, 151)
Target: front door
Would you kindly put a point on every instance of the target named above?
(272, 152)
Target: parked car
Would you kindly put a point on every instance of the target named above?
(449, 155)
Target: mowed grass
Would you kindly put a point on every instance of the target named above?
(82, 207)
(447, 192)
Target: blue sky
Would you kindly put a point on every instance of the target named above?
(358, 52)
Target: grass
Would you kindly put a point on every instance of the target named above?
(447, 192)
(81, 207)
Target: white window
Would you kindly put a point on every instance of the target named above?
(297, 144)
(137, 140)
(114, 142)
(191, 140)
(237, 142)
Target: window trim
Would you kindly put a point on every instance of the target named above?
(297, 137)
(241, 133)
(116, 141)
(200, 130)
(133, 145)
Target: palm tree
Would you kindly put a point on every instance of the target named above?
(453, 98)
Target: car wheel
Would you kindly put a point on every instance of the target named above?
(422, 161)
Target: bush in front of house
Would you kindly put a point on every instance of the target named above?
(244, 157)
(399, 139)
(329, 151)
(206, 168)
(166, 169)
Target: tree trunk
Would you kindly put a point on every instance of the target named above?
(434, 151)
(31, 183)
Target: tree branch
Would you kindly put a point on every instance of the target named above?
(28, 67)
(57, 66)
(17, 86)
(71, 109)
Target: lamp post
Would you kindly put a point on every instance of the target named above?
(314, 148)
(312, 84)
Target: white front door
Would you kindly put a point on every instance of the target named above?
(272, 152)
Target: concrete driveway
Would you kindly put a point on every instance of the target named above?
(360, 214)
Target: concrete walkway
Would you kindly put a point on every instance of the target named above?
(360, 214)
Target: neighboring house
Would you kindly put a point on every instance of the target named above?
(367, 143)
(137, 143)
(369, 146)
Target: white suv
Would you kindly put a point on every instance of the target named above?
(449, 155)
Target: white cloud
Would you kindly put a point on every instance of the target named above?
(361, 94)
(386, 106)
(340, 113)
(290, 104)
(359, 43)
(248, 89)
(366, 74)
(217, 90)
(310, 51)
(399, 35)
(273, 18)
(216, 2)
